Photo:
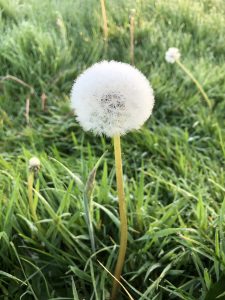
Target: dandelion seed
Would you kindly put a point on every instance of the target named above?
(172, 55)
(112, 98)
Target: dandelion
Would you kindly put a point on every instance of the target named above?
(112, 98)
(34, 166)
(173, 55)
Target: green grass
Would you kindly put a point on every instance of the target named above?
(174, 166)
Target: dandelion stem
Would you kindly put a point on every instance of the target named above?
(196, 82)
(30, 196)
(123, 216)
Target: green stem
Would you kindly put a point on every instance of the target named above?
(123, 217)
(30, 196)
(196, 82)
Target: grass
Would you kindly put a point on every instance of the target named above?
(174, 167)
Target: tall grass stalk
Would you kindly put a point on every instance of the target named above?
(27, 110)
(119, 283)
(24, 84)
(105, 23)
(43, 101)
(21, 82)
(132, 37)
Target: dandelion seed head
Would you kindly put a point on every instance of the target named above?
(112, 98)
(34, 164)
(172, 54)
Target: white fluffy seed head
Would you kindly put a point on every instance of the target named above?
(34, 164)
(112, 98)
(172, 55)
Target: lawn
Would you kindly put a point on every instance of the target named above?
(173, 167)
